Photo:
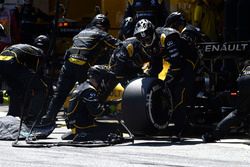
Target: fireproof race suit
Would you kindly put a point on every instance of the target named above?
(180, 76)
(84, 107)
(20, 67)
(128, 59)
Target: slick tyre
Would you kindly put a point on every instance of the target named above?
(146, 106)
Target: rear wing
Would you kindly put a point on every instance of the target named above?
(213, 50)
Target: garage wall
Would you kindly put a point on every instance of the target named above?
(84, 10)
(115, 10)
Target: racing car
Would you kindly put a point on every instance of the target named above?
(146, 109)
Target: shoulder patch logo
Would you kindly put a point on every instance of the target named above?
(130, 49)
(162, 39)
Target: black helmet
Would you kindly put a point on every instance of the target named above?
(101, 21)
(127, 28)
(145, 32)
(101, 74)
(174, 20)
(42, 42)
(192, 34)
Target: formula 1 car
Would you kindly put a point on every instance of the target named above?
(147, 106)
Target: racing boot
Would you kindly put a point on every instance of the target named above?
(222, 127)
(176, 139)
(209, 138)
(68, 135)
(97, 132)
(93, 133)
(48, 119)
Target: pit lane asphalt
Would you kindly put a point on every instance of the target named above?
(151, 152)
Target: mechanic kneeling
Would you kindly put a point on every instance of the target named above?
(85, 106)
(241, 111)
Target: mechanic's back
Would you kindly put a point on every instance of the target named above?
(92, 41)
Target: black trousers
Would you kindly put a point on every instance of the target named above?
(27, 89)
(181, 85)
(241, 111)
(70, 74)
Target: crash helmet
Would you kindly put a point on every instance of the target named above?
(127, 28)
(101, 74)
(42, 42)
(145, 32)
(101, 21)
(175, 20)
(192, 34)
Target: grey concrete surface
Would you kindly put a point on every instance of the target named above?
(148, 152)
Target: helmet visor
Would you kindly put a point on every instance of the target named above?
(146, 39)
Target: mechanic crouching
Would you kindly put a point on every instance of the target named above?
(21, 68)
(166, 43)
(239, 114)
(85, 105)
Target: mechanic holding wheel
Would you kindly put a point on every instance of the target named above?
(88, 46)
(166, 43)
(128, 60)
